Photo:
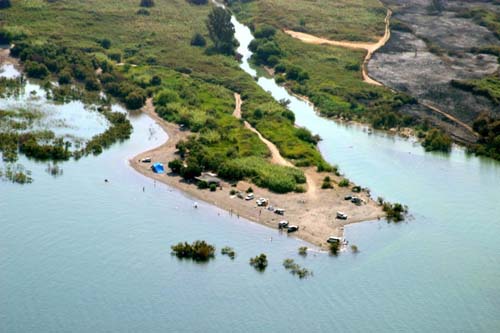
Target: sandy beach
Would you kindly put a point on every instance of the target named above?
(313, 211)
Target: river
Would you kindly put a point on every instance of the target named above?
(80, 255)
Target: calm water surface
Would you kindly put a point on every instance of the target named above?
(80, 255)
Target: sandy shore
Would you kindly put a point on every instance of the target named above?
(313, 211)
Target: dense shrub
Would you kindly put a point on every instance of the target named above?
(197, 251)
(198, 40)
(295, 269)
(437, 140)
(259, 262)
(229, 251)
(344, 182)
(155, 80)
(36, 70)
(265, 31)
(277, 178)
(489, 137)
(175, 166)
(105, 43)
(395, 212)
(135, 100)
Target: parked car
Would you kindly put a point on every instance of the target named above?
(279, 211)
(240, 195)
(341, 216)
(262, 202)
(356, 200)
(334, 240)
(146, 160)
(249, 196)
(348, 197)
(292, 228)
(283, 224)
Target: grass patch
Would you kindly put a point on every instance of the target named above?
(360, 20)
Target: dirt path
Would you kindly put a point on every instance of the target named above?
(370, 48)
(450, 117)
(276, 157)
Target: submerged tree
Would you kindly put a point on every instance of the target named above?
(259, 262)
(221, 30)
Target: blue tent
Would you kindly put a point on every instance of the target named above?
(158, 168)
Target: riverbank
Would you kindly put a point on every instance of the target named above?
(313, 211)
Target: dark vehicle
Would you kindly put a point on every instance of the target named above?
(279, 211)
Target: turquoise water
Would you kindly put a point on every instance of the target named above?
(80, 255)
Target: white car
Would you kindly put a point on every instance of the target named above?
(262, 202)
(249, 197)
(341, 216)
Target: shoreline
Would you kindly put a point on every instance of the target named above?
(313, 211)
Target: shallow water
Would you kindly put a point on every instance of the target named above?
(80, 255)
(74, 120)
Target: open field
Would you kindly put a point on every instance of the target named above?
(353, 20)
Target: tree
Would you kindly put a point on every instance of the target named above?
(106, 43)
(221, 30)
(134, 100)
(198, 40)
(36, 70)
(175, 166)
(147, 3)
(4, 4)
(259, 262)
(155, 80)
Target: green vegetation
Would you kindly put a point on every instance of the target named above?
(155, 47)
(295, 269)
(277, 178)
(303, 250)
(488, 86)
(221, 30)
(334, 248)
(16, 174)
(437, 140)
(357, 20)
(197, 251)
(329, 76)
(327, 183)
(487, 18)
(394, 212)
(489, 141)
(344, 182)
(259, 262)
(229, 251)
(198, 40)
